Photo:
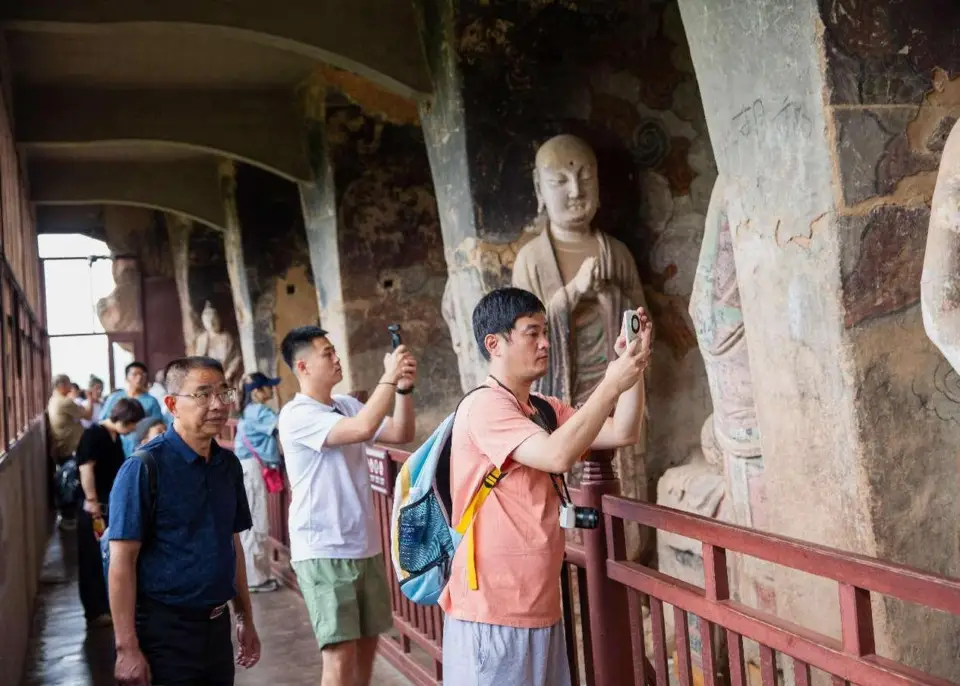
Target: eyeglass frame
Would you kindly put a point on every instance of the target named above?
(212, 394)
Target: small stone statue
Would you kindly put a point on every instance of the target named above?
(214, 342)
(585, 278)
(940, 281)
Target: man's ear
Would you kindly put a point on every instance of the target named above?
(300, 367)
(171, 403)
(492, 343)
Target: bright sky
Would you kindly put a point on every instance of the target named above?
(73, 288)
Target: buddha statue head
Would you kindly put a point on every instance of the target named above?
(565, 179)
(211, 319)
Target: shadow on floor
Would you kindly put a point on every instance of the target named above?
(64, 653)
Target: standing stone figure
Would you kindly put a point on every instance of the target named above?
(940, 281)
(214, 342)
(585, 278)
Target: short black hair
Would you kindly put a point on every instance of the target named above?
(75, 386)
(94, 381)
(298, 339)
(498, 312)
(126, 411)
(134, 365)
(177, 371)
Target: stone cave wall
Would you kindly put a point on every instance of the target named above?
(391, 253)
(893, 88)
(278, 267)
(618, 74)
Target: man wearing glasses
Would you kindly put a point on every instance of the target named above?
(175, 556)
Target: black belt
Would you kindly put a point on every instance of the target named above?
(193, 613)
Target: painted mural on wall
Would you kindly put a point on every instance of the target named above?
(391, 252)
(618, 75)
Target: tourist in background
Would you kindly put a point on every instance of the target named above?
(99, 456)
(135, 375)
(148, 428)
(258, 449)
(63, 417)
(95, 396)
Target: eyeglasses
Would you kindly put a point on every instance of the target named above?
(204, 398)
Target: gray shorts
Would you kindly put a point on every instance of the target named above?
(489, 655)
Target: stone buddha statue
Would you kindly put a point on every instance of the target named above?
(940, 281)
(214, 342)
(585, 278)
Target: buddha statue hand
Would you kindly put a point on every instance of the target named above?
(587, 280)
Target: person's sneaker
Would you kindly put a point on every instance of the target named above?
(101, 621)
(266, 586)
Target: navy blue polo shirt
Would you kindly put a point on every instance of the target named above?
(189, 559)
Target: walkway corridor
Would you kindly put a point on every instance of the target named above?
(63, 653)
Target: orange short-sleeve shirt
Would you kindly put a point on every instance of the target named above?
(519, 543)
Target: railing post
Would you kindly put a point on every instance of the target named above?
(607, 600)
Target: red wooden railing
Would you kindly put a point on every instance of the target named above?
(604, 595)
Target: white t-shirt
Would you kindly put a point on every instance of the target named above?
(331, 507)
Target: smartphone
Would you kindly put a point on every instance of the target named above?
(394, 330)
(631, 325)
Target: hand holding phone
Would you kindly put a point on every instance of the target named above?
(631, 325)
(394, 330)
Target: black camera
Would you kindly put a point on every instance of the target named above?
(573, 517)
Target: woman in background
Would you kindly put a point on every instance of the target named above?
(257, 448)
(99, 456)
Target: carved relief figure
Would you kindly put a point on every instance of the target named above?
(214, 342)
(120, 311)
(718, 319)
(940, 281)
(585, 278)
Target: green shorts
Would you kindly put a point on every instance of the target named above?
(346, 599)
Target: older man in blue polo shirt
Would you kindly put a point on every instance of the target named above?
(176, 559)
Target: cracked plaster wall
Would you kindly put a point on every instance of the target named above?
(893, 95)
(827, 116)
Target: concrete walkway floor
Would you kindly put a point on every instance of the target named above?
(64, 653)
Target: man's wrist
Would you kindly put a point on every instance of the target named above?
(127, 645)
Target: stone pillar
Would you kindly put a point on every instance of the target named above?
(811, 120)
(178, 231)
(319, 203)
(236, 267)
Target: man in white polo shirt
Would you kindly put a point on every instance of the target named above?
(334, 536)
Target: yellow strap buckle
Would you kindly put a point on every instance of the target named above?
(465, 525)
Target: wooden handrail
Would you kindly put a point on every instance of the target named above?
(887, 578)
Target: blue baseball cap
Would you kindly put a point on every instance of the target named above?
(258, 380)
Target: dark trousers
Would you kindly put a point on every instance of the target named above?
(185, 647)
(93, 587)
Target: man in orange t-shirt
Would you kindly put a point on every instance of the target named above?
(507, 631)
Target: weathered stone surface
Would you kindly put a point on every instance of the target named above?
(863, 137)
(391, 257)
(886, 276)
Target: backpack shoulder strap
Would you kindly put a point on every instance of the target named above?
(543, 406)
(151, 465)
